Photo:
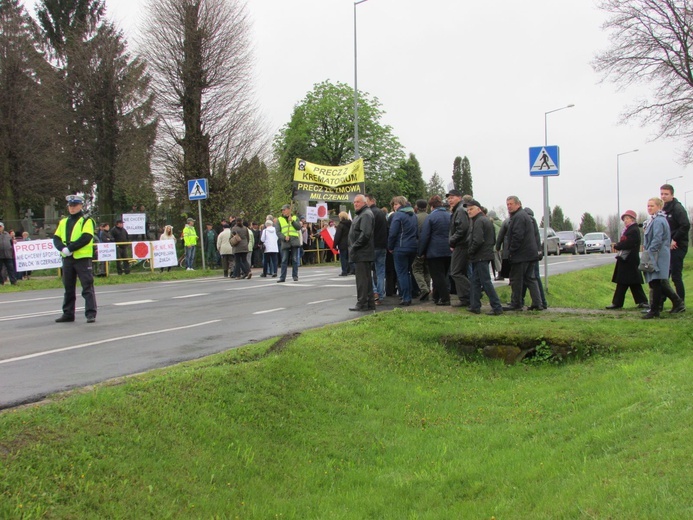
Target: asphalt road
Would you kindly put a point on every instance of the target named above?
(144, 326)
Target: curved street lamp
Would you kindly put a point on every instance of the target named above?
(547, 210)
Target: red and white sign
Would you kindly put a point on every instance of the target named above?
(34, 255)
(164, 252)
(322, 210)
(141, 250)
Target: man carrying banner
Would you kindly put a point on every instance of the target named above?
(289, 233)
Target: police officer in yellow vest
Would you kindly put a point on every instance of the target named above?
(289, 234)
(74, 239)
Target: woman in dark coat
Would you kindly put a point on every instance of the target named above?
(341, 242)
(626, 274)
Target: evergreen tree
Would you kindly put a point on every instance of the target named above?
(435, 186)
(466, 186)
(457, 173)
(587, 224)
(410, 179)
(32, 166)
(557, 220)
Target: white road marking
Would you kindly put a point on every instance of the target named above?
(136, 302)
(35, 314)
(103, 341)
(351, 285)
(33, 299)
(270, 310)
(189, 296)
(320, 301)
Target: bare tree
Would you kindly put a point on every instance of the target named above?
(201, 63)
(651, 42)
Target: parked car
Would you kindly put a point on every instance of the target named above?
(571, 242)
(554, 243)
(597, 242)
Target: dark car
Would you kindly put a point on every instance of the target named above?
(553, 246)
(572, 242)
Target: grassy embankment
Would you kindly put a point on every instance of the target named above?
(377, 418)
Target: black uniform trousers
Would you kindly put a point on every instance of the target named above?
(73, 269)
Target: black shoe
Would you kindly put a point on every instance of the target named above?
(643, 306)
(343, 274)
(474, 311)
(296, 279)
(650, 315)
(405, 304)
(425, 296)
(64, 319)
(263, 276)
(613, 307)
(445, 303)
(679, 307)
(91, 319)
(535, 308)
(249, 276)
(497, 312)
(281, 280)
(512, 308)
(274, 276)
(360, 309)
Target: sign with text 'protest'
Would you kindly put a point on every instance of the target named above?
(34, 255)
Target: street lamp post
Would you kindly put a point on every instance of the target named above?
(672, 178)
(356, 88)
(547, 210)
(618, 185)
(685, 199)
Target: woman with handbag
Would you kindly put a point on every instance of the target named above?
(654, 261)
(626, 274)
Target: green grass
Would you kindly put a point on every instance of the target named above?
(377, 418)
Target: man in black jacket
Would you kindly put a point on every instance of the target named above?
(680, 225)
(121, 237)
(362, 254)
(483, 238)
(522, 253)
(380, 248)
(459, 245)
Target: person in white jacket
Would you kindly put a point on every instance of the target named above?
(225, 249)
(270, 242)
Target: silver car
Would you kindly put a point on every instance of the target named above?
(597, 242)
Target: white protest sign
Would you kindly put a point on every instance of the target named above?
(106, 252)
(164, 252)
(311, 214)
(34, 255)
(135, 223)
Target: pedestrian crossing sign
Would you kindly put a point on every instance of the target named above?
(197, 189)
(543, 161)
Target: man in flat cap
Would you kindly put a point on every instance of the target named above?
(459, 245)
(190, 243)
(289, 234)
(74, 238)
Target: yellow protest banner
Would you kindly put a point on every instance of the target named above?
(328, 183)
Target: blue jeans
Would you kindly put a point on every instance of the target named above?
(481, 281)
(379, 278)
(295, 259)
(269, 263)
(189, 256)
(403, 261)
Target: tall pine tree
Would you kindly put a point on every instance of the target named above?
(466, 186)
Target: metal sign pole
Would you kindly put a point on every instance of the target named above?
(202, 250)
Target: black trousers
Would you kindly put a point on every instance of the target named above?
(459, 270)
(522, 275)
(364, 285)
(659, 290)
(72, 270)
(636, 290)
(438, 268)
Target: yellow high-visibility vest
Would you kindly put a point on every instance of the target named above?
(286, 227)
(83, 225)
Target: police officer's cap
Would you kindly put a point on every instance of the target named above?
(286, 206)
(74, 199)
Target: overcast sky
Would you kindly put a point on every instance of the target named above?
(470, 79)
